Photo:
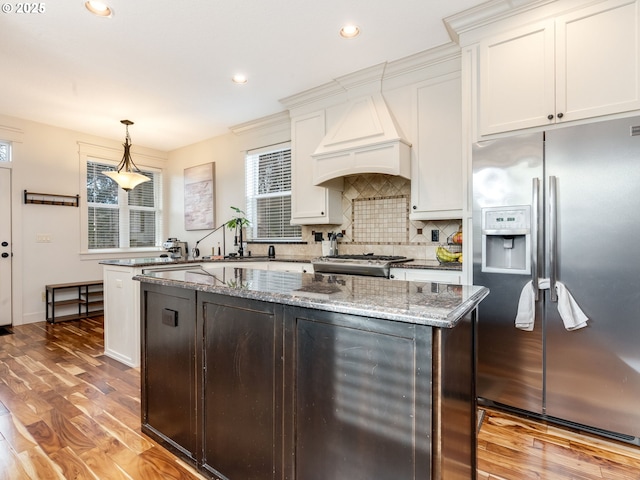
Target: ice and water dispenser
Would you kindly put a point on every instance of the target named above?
(506, 239)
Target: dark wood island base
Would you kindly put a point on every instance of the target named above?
(250, 389)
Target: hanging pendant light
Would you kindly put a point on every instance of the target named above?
(127, 175)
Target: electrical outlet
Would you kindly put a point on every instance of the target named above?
(435, 235)
(44, 296)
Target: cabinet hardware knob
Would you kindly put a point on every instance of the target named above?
(415, 207)
(560, 115)
(550, 117)
(5, 255)
(5, 244)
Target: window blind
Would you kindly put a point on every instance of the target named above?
(103, 208)
(142, 214)
(268, 184)
(119, 219)
(5, 152)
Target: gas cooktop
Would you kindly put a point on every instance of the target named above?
(365, 264)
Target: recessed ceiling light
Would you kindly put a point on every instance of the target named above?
(239, 78)
(98, 8)
(349, 31)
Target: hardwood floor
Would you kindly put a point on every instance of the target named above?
(513, 447)
(69, 412)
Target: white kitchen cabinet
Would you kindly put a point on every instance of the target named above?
(452, 277)
(578, 65)
(310, 204)
(436, 169)
(121, 314)
(122, 310)
(122, 301)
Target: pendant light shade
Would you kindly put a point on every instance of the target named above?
(127, 175)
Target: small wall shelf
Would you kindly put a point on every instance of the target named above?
(52, 199)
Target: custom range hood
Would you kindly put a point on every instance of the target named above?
(366, 139)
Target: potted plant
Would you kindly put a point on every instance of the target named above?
(238, 222)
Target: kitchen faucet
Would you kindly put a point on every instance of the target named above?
(333, 247)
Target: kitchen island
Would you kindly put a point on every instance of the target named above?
(122, 295)
(257, 374)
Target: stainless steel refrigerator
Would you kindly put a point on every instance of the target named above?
(562, 205)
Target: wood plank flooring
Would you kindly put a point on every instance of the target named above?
(69, 412)
(512, 447)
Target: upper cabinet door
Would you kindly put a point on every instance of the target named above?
(597, 60)
(436, 169)
(580, 65)
(517, 79)
(310, 204)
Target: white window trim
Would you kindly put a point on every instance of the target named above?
(9, 161)
(249, 178)
(102, 154)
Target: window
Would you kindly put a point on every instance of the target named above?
(5, 152)
(119, 219)
(268, 188)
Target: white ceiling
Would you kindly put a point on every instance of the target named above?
(167, 64)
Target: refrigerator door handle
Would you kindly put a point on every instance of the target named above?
(535, 254)
(553, 237)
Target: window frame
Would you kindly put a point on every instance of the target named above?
(7, 162)
(110, 156)
(252, 196)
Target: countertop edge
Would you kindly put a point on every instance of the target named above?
(420, 264)
(435, 319)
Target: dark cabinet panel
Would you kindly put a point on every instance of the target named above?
(168, 366)
(361, 398)
(252, 390)
(243, 388)
(455, 418)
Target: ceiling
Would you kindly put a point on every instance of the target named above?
(167, 64)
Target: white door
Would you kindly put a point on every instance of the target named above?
(5, 246)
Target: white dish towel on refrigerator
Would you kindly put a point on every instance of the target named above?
(572, 316)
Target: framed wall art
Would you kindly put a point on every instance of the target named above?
(199, 197)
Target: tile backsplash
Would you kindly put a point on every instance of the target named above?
(380, 220)
(375, 218)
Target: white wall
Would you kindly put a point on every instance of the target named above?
(45, 160)
(228, 153)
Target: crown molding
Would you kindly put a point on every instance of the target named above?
(275, 122)
(11, 134)
(488, 13)
(370, 80)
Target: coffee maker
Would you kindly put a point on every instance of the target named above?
(177, 250)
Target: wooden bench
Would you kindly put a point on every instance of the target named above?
(74, 301)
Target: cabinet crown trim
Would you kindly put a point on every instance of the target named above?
(487, 13)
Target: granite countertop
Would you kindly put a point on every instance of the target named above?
(157, 261)
(421, 303)
(430, 265)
